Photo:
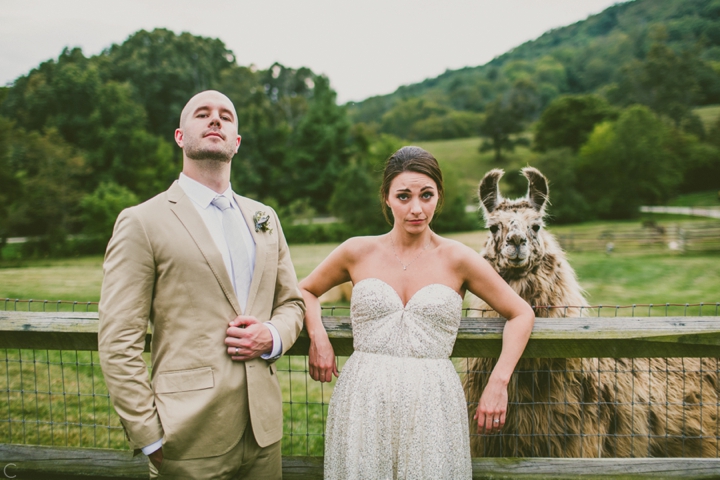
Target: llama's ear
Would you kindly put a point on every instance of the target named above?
(537, 187)
(488, 190)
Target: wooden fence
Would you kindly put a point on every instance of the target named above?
(618, 337)
(690, 237)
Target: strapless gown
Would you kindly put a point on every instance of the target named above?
(398, 410)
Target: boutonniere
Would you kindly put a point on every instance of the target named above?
(262, 222)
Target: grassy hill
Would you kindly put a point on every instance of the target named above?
(709, 114)
(590, 56)
(460, 157)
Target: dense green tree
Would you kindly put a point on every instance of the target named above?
(452, 217)
(451, 125)
(10, 181)
(664, 81)
(507, 116)
(120, 148)
(569, 120)
(356, 197)
(501, 123)
(51, 172)
(165, 69)
(100, 208)
(399, 120)
(317, 150)
(270, 105)
(567, 201)
(57, 94)
(628, 163)
(700, 161)
(100, 118)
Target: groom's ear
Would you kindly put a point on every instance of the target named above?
(179, 137)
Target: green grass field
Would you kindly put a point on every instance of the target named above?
(709, 115)
(645, 276)
(698, 199)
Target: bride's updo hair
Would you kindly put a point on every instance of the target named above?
(410, 159)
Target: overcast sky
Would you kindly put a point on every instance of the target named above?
(365, 47)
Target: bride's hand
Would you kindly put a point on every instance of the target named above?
(490, 414)
(322, 360)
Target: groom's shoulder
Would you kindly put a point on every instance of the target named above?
(151, 204)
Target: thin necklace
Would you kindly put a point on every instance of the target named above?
(405, 267)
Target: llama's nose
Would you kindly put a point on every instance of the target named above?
(516, 238)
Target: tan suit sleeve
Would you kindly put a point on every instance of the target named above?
(288, 305)
(125, 305)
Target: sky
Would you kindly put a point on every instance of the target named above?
(365, 47)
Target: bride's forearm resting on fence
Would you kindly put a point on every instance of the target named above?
(332, 271)
(516, 334)
(321, 355)
(483, 281)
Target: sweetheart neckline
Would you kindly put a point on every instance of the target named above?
(397, 295)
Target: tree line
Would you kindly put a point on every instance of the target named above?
(83, 137)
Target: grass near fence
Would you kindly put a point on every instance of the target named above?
(59, 398)
(638, 276)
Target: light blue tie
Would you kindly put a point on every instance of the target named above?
(238, 251)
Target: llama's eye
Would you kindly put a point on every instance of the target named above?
(536, 228)
(493, 228)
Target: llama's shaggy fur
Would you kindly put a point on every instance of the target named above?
(581, 407)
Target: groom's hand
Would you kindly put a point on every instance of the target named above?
(248, 338)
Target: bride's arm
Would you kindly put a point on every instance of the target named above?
(332, 271)
(482, 280)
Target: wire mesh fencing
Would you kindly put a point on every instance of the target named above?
(557, 407)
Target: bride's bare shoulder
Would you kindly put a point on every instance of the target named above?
(359, 247)
(454, 250)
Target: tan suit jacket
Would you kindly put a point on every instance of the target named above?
(163, 268)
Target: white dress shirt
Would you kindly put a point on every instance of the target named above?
(201, 197)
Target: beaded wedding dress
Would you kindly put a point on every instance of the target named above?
(398, 410)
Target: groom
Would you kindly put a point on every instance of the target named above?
(210, 272)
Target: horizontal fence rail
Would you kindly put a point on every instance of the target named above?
(584, 337)
(55, 400)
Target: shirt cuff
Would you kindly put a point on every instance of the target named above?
(277, 343)
(152, 447)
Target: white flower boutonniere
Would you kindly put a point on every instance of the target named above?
(262, 222)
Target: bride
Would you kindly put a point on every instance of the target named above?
(398, 410)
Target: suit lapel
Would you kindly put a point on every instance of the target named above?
(260, 250)
(184, 209)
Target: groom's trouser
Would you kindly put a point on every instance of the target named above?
(246, 460)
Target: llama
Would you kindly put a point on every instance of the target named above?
(576, 407)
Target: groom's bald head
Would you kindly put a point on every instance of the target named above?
(205, 99)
